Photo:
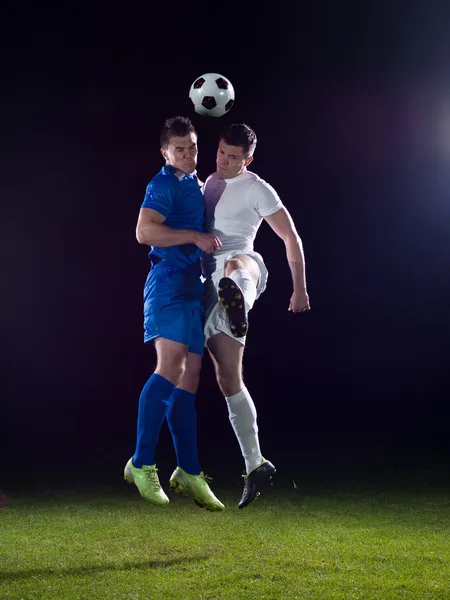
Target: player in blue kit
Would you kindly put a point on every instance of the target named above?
(171, 221)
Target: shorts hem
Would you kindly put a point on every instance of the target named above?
(191, 349)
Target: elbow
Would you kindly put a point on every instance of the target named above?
(292, 239)
(141, 236)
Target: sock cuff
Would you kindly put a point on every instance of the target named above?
(162, 382)
(241, 274)
(179, 393)
(249, 288)
(239, 397)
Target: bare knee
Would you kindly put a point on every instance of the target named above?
(172, 360)
(191, 376)
(172, 368)
(234, 263)
(245, 262)
(226, 354)
(229, 378)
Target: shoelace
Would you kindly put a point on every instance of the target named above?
(153, 479)
(206, 478)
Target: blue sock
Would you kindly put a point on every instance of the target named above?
(153, 405)
(182, 420)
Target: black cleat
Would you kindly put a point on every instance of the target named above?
(231, 296)
(255, 481)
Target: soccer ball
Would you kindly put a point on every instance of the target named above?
(212, 95)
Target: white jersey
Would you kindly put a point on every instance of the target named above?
(234, 212)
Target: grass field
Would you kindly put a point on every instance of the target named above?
(299, 542)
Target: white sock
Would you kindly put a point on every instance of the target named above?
(242, 414)
(244, 280)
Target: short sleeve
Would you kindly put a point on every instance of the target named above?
(158, 197)
(264, 198)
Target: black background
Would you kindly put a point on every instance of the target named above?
(351, 105)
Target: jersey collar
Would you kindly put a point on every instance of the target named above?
(178, 174)
(237, 178)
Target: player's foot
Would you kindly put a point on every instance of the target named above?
(196, 487)
(231, 296)
(147, 482)
(255, 481)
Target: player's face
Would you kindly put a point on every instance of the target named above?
(230, 160)
(181, 153)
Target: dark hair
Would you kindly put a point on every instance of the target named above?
(240, 134)
(175, 127)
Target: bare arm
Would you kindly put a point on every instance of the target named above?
(151, 231)
(282, 224)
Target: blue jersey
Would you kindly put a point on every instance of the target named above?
(179, 199)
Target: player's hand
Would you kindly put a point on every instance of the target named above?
(208, 242)
(299, 302)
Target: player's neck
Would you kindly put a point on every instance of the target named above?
(234, 176)
(179, 173)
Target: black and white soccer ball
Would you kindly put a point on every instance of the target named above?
(212, 95)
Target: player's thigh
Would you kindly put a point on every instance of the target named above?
(226, 354)
(196, 322)
(210, 298)
(243, 261)
(171, 355)
(196, 343)
(167, 312)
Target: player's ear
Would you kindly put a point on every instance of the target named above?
(248, 160)
(164, 153)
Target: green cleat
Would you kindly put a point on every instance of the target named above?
(147, 482)
(196, 487)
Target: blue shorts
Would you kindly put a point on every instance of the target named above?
(173, 307)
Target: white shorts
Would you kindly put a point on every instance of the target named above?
(216, 320)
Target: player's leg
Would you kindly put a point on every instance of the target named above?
(164, 324)
(155, 397)
(243, 262)
(153, 406)
(182, 416)
(237, 290)
(227, 355)
(188, 479)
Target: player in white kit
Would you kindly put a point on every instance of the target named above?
(236, 202)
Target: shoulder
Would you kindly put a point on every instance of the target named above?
(209, 183)
(261, 186)
(246, 179)
(162, 181)
(210, 179)
(256, 183)
(263, 197)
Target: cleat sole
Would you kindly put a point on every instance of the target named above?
(229, 294)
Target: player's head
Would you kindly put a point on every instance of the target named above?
(235, 152)
(179, 144)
